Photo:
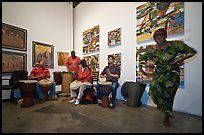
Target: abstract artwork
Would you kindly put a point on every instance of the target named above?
(93, 61)
(91, 40)
(114, 37)
(153, 15)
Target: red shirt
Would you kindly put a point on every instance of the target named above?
(73, 64)
(37, 71)
(87, 74)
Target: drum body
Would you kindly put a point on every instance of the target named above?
(67, 78)
(105, 89)
(27, 88)
(45, 85)
(57, 77)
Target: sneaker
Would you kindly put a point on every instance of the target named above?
(76, 102)
(52, 98)
(42, 100)
(111, 106)
(72, 101)
(99, 102)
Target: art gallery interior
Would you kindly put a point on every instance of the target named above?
(62, 27)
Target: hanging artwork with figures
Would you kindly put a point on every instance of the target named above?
(140, 77)
(93, 61)
(114, 37)
(42, 51)
(12, 61)
(62, 57)
(14, 37)
(153, 15)
(117, 59)
(91, 40)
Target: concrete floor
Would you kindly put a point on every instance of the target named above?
(63, 117)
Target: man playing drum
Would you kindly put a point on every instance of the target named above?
(83, 80)
(42, 74)
(111, 73)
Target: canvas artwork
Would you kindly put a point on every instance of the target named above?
(117, 59)
(14, 37)
(12, 61)
(153, 15)
(91, 40)
(140, 77)
(62, 57)
(42, 51)
(93, 61)
(114, 37)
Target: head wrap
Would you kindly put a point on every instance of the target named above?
(160, 32)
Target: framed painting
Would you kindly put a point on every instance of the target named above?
(62, 57)
(42, 51)
(12, 61)
(14, 37)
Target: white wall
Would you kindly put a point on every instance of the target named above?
(45, 22)
(112, 15)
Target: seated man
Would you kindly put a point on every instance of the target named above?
(111, 73)
(39, 73)
(83, 80)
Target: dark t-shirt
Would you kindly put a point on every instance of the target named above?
(114, 69)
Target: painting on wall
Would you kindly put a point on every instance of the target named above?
(93, 61)
(12, 61)
(140, 77)
(91, 40)
(153, 15)
(114, 37)
(42, 51)
(14, 37)
(117, 59)
(62, 57)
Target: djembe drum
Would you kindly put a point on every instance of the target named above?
(105, 89)
(67, 78)
(27, 88)
(45, 85)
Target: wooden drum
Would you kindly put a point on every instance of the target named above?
(27, 88)
(57, 77)
(67, 78)
(45, 85)
(105, 89)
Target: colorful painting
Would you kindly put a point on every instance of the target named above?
(13, 61)
(91, 40)
(42, 51)
(117, 59)
(14, 37)
(93, 61)
(62, 57)
(153, 15)
(140, 77)
(114, 37)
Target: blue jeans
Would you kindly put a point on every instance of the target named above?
(39, 93)
(115, 85)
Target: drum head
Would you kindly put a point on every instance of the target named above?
(105, 83)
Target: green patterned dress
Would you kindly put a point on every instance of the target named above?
(166, 77)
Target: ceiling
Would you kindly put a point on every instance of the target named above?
(75, 4)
